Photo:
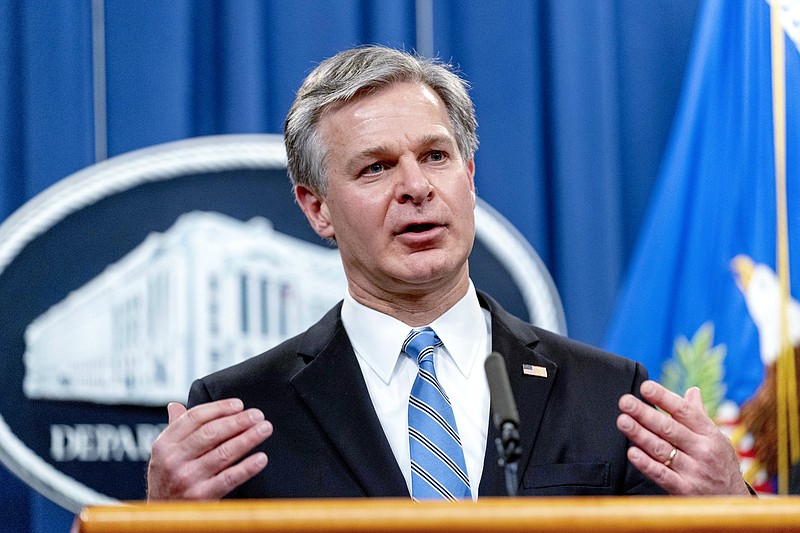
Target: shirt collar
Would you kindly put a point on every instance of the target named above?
(378, 338)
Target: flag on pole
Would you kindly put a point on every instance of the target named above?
(715, 199)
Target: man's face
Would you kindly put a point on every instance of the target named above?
(400, 200)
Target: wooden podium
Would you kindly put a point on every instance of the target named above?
(496, 515)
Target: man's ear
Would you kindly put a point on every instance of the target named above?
(316, 210)
(471, 172)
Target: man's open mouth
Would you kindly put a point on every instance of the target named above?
(418, 228)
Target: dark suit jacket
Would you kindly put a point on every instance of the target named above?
(328, 442)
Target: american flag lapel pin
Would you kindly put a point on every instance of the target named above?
(534, 370)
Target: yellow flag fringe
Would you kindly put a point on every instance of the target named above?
(788, 427)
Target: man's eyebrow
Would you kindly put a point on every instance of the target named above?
(355, 163)
(436, 138)
(372, 152)
(423, 141)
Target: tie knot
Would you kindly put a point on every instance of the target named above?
(420, 343)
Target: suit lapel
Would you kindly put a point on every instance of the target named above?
(516, 343)
(333, 387)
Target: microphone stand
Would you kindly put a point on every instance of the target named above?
(506, 419)
(508, 453)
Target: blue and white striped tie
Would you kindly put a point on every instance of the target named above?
(438, 469)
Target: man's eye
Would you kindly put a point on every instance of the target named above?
(374, 168)
(436, 155)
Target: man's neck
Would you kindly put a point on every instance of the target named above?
(415, 308)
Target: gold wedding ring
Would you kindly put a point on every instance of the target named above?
(671, 457)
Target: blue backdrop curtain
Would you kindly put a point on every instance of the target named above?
(574, 101)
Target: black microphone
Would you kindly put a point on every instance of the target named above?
(506, 419)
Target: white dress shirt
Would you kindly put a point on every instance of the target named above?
(465, 330)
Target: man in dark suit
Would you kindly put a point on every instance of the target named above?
(380, 147)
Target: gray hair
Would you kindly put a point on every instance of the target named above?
(362, 70)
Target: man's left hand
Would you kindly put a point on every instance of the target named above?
(685, 453)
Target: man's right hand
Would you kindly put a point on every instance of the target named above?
(199, 455)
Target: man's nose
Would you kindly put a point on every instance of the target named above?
(412, 184)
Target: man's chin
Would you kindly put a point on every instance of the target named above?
(431, 277)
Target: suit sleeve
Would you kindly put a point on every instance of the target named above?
(198, 394)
